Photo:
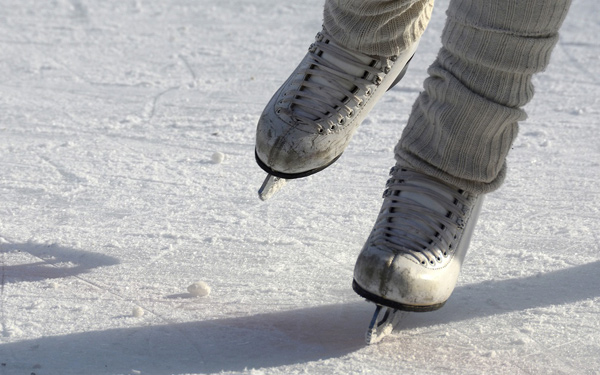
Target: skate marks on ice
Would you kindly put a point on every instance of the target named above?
(37, 261)
(289, 337)
(212, 346)
(33, 262)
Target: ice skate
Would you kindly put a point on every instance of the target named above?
(310, 120)
(412, 259)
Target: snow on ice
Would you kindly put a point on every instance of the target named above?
(137, 312)
(218, 157)
(199, 289)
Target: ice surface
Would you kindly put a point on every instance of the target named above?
(110, 112)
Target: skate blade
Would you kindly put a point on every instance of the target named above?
(270, 186)
(383, 322)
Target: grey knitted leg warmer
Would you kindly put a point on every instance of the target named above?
(462, 126)
(377, 27)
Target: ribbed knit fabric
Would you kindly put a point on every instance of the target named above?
(377, 27)
(463, 125)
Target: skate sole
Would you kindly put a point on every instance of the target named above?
(291, 176)
(393, 304)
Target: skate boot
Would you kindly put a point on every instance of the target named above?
(413, 256)
(310, 120)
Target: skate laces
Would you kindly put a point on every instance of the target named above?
(335, 81)
(421, 216)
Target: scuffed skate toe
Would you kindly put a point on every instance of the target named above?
(288, 150)
(397, 281)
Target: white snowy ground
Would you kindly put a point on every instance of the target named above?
(110, 113)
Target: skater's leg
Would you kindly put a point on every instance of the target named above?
(376, 27)
(362, 51)
(454, 148)
(463, 125)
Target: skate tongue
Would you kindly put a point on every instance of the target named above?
(329, 85)
(419, 208)
(344, 64)
(426, 201)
